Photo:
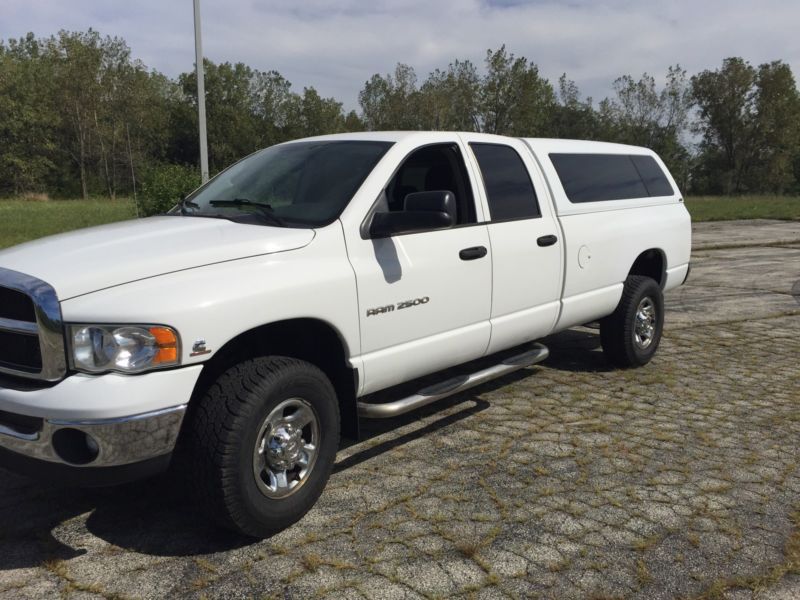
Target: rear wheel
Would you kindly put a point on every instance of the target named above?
(262, 443)
(631, 334)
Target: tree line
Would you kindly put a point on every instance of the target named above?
(80, 116)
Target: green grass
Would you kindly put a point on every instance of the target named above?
(23, 220)
(729, 208)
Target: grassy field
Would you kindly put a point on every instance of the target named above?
(723, 208)
(22, 220)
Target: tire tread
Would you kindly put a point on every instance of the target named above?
(221, 414)
(616, 330)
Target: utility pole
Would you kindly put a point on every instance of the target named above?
(201, 93)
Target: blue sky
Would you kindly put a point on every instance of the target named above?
(336, 45)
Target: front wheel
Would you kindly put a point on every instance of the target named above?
(631, 334)
(262, 443)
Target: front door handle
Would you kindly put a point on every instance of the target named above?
(473, 253)
(547, 240)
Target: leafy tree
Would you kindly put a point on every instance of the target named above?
(79, 115)
(352, 122)
(274, 101)
(77, 60)
(316, 115)
(163, 186)
(777, 106)
(28, 118)
(643, 115)
(571, 117)
(144, 128)
(515, 100)
(391, 101)
(231, 98)
(450, 99)
(728, 124)
(247, 110)
(129, 117)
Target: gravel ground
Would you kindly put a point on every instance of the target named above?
(566, 480)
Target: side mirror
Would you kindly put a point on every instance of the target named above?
(423, 211)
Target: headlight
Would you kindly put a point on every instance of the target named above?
(125, 348)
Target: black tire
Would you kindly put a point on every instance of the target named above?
(618, 331)
(221, 441)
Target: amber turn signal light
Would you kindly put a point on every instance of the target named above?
(167, 343)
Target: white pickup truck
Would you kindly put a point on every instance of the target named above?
(242, 331)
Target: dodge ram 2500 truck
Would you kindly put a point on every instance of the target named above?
(239, 333)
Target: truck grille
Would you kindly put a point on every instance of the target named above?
(31, 330)
(20, 352)
(16, 306)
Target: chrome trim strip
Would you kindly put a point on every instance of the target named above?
(119, 420)
(459, 384)
(23, 327)
(49, 325)
(121, 441)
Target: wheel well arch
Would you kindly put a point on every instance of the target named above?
(309, 339)
(651, 263)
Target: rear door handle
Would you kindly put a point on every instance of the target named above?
(473, 253)
(547, 240)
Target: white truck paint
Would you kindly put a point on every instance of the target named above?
(219, 282)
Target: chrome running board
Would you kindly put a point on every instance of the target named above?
(453, 386)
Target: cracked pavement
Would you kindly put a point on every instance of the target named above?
(565, 480)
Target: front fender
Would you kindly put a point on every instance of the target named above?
(218, 302)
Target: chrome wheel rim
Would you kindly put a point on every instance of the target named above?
(286, 448)
(644, 327)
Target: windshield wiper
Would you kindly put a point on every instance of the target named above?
(264, 210)
(241, 202)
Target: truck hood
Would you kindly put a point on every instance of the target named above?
(87, 260)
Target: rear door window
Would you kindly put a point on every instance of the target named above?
(509, 189)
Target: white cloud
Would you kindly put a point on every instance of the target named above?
(336, 45)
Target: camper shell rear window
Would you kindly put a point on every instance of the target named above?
(599, 177)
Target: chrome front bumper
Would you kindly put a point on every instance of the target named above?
(93, 443)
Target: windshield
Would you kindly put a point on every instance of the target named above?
(302, 184)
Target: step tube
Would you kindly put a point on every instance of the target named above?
(429, 395)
